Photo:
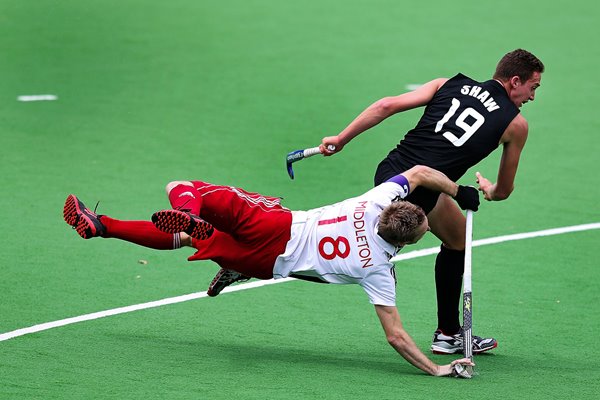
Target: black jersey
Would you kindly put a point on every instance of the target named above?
(461, 125)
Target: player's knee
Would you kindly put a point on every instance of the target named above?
(454, 241)
(173, 184)
(457, 245)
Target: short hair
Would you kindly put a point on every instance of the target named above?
(399, 221)
(519, 63)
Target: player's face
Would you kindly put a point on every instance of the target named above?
(525, 91)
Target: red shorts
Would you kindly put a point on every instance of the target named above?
(251, 230)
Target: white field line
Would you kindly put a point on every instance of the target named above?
(135, 307)
(255, 284)
(505, 238)
(37, 97)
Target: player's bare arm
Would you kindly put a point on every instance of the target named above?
(513, 141)
(379, 111)
(401, 341)
(420, 175)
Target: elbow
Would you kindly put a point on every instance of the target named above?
(420, 174)
(397, 341)
(421, 170)
(500, 194)
(385, 107)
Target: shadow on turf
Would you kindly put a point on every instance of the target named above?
(237, 349)
(240, 351)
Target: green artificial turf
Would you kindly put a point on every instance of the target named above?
(150, 92)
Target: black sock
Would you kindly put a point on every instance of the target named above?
(449, 267)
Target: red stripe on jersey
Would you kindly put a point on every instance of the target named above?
(333, 220)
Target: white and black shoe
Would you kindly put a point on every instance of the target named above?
(224, 278)
(452, 344)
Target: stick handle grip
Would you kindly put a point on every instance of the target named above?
(315, 150)
(311, 152)
(467, 295)
(468, 253)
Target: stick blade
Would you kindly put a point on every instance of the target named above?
(292, 157)
(462, 371)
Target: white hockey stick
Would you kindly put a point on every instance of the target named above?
(467, 300)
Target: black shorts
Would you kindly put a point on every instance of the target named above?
(423, 197)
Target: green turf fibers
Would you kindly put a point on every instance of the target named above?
(151, 91)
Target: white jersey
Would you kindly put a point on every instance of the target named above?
(339, 244)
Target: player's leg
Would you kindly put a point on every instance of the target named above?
(183, 196)
(89, 224)
(143, 233)
(231, 254)
(186, 203)
(249, 217)
(244, 215)
(253, 219)
(448, 223)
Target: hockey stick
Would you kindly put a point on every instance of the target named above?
(298, 155)
(467, 301)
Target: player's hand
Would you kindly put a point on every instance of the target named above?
(326, 144)
(460, 370)
(455, 368)
(485, 186)
(463, 361)
(467, 198)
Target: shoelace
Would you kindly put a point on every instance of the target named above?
(77, 218)
(180, 208)
(233, 276)
(230, 275)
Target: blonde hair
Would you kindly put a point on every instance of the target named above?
(399, 221)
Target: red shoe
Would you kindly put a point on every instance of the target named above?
(175, 221)
(82, 219)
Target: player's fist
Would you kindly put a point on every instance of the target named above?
(467, 198)
(330, 145)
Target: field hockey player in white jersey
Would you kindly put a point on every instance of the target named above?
(253, 235)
